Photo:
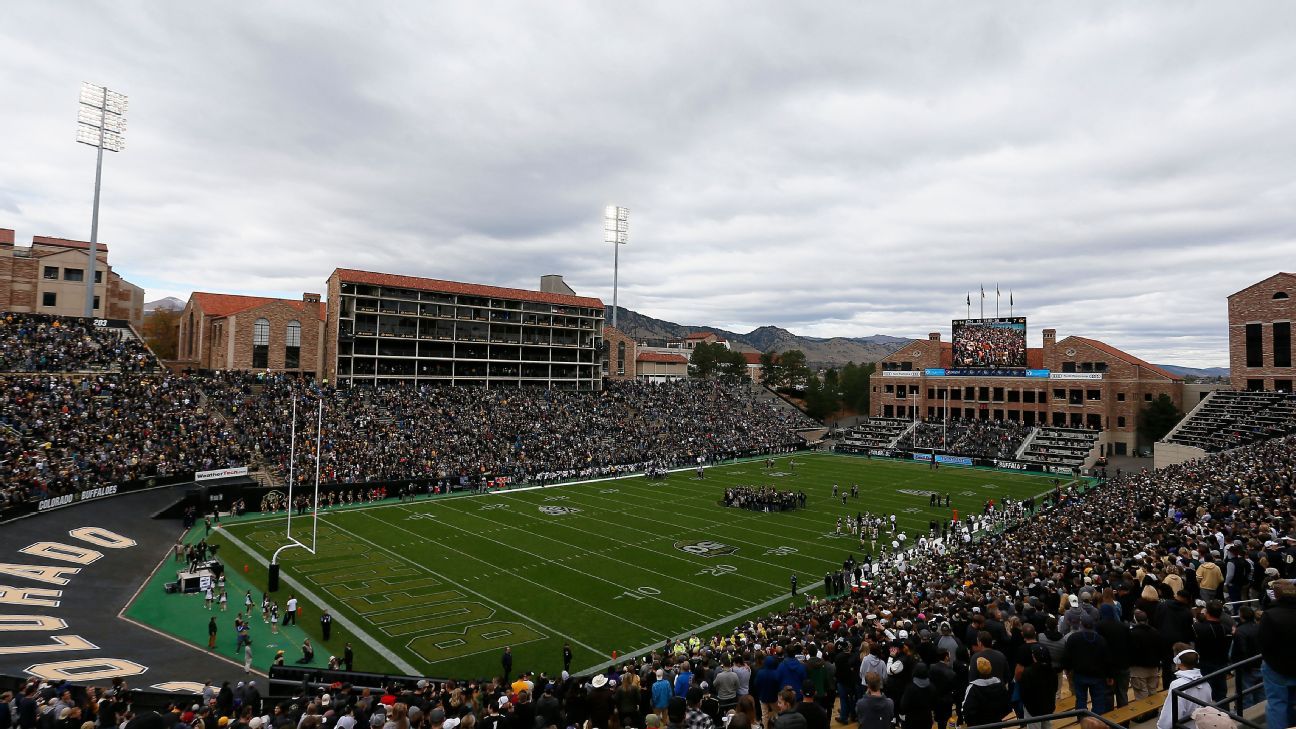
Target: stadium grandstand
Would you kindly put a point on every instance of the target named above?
(1093, 595)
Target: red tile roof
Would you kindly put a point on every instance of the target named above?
(67, 243)
(699, 335)
(752, 357)
(222, 305)
(661, 357)
(1104, 347)
(456, 287)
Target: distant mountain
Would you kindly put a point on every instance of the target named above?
(1197, 371)
(822, 351)
(170, 303)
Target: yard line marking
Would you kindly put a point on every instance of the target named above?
(723, 535)
(561, 562)
(641, 568)
(518, 576)
(470, 591)
(727, 536)
(343, 620)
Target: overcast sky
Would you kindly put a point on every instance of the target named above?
(833, 168)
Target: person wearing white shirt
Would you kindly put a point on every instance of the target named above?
(290, 617)
(1185, 672)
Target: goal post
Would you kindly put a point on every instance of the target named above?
(292, 541)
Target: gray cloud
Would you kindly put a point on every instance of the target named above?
(833, 168)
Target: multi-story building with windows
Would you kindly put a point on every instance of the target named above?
(1260, 329)
(386, 328)
(1076, 382)
(251, 333)
(48, 277)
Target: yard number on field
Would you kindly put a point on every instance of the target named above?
(639, 593)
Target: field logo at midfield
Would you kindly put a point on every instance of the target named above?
(558, 510)
(778, 473)
(705, 548)
(916, 492)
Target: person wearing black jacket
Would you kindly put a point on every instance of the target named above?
(1038, 683)
(1212, 642)
(1089, 661)
(918, 700)
(1246, 644)
(1277, 636)
(1146, 649)
(986, 701)
(1117, 635)
(844, 671)
(1174, 621)
(944, 682)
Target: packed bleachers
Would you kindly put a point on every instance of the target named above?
(977, 438)
(1230, 418)
(873, 433)
(67, 433)
(1060, 447)
(1031, 599)
(40, 343)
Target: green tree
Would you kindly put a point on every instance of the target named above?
(795, 371)
(160, 331)
(1157, 418)
(855, 387)
(705, 360)
(819, 399)
(771, 371)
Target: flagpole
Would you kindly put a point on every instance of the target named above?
(996, 301)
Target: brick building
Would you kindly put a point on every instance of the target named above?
(1076, 382)
(253, 333)
(661, 366)
(621, 354)
(1260, 345)
(390, 328)
(48, 277)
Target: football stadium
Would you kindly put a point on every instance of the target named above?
(362, 470)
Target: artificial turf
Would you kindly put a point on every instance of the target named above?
(439, 586)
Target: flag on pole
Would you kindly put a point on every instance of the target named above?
(969, 298)
(997, 294)
(1010, 298)
(983, 291)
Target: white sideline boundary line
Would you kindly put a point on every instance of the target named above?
(699, 629)
(469, 590)
(378, 647)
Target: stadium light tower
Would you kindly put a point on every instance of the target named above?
(101, 123)
(616, 230)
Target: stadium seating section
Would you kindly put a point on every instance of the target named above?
(1229, 418)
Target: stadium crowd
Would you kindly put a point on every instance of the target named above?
(39, 343)
(989, 345)
(64, 434)
(977, 438)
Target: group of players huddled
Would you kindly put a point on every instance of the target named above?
(765, 498)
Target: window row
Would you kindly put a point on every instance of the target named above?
(1280, 339)
(261, 344)
(51, 273)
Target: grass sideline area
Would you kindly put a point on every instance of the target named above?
(438, 586)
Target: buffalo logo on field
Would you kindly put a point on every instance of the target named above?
(558, 510)
(705, 548)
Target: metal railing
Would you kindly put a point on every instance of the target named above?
(1077, 714)
(1238, 699)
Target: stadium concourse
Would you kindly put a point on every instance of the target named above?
(1117, 591)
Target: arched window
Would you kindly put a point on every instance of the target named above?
(261, 344)
(292, 346)
(620, 358)
(1280, 295)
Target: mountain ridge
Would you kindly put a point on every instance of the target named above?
(820, 351)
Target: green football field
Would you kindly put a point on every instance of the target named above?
(439, 586)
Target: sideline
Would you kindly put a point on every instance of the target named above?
(343, 620)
